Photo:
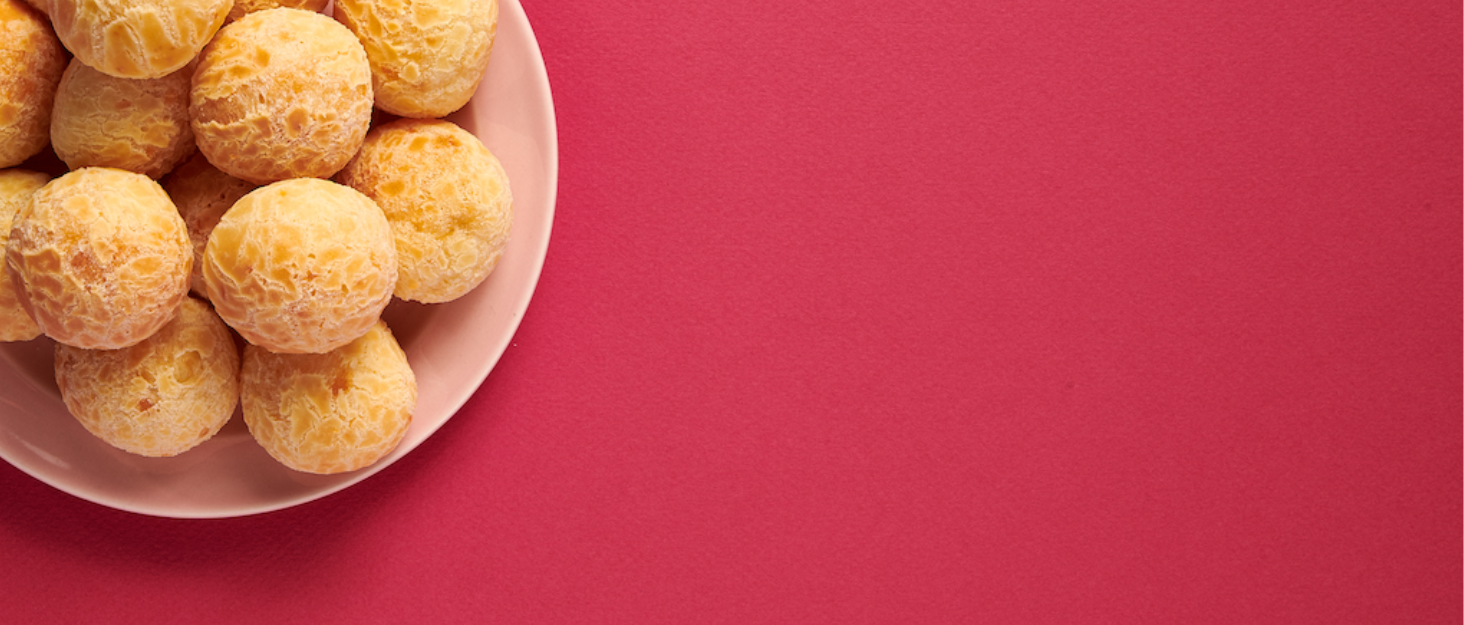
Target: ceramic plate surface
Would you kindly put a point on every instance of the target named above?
(451, 346)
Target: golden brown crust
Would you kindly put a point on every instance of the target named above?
(427, 56)
(279, 94)
(101, 258)
(31, 63)
(138, 125)
(448, 201)
(245, 7)
(16, 188)
(202, 194)
(137, 38)
(162, 396)
(333, 412)
(301, 266)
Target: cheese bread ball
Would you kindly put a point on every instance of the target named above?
(245, 7)
(160, 397)
(138, 125)
(447, 199)
(202, 194)
(31, 63)
(137, 38)
(301, 266)
(279, 94)
(427, 56)
(101, 258)
(16, 188)
(333, 412)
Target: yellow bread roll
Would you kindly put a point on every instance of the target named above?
(279, 94)
(245, 7)
(137, 38)
(101, 258)
(31, 63)
(16, 188)
(160, 397)
(301, 266)
(202, 194)
(333, 412)
(447, 199)
(427, 56)
(138, 125)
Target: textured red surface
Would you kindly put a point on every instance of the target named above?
(934, 312)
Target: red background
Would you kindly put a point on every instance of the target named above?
(936, 312)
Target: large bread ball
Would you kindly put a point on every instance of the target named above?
(137, 38)
(101, 258)
(427, 58)
(202, 194)
(31, 63)
(138, 125)
(333, 412)
(160, 397)
(301, 266)
(279, 94)
(16, 188)
(447, 199)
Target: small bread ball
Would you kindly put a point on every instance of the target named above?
(279, 94)
(101, 258)
(160, 397)
(245, 7)
(202, 194)
(427, 58)
(333, 412)
(31, 63)
(301, 266)
(447, 199)
(137, 38)
(138, 125)
(16, 188)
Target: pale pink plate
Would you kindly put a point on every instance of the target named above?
(451, 347)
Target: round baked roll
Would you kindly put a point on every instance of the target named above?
(101, 258)
(281, 93)
(447, 199)
(137, 38)
(245, 7)
(138, 125)
(16, 188)
(160, 397)
(301, 266)
(31, 63)
(427, 58)
(202, 194)
(332, 412)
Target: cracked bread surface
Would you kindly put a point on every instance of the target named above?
(101, 258)
(281, 93)
(136, 38)
(31, 63)
(447, 198)
(16, 188)
(427, 56)
(334, 412)
(301, 266)
(202, 194)
(160, 397)
(138, 125)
